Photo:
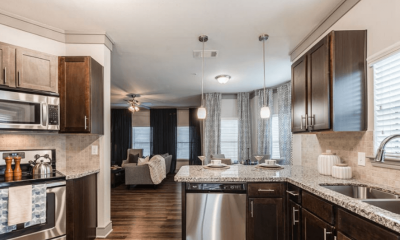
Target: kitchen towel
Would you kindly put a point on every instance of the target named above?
(19, 204)
(4, 228)
(39, 197)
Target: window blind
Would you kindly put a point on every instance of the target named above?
(141, 139)
(275, 137)
(387, 103)
(229, 138)
(182, 143)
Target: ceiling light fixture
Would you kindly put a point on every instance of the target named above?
(265, 111)
(223, 78)
(201, 112)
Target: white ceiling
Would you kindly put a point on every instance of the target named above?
(155, 39)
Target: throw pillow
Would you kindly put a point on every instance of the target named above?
(133, 158)
(142, 161)
(164, 155)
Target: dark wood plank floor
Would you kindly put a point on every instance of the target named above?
(145, 212)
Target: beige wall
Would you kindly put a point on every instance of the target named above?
(380, 18)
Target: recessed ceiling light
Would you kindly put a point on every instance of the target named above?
(223, 78)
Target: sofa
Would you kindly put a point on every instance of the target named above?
(140, 175)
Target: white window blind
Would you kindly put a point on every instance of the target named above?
(229, 138)
(387, 102)
(141, 139)
(183, 143)
(275, 136)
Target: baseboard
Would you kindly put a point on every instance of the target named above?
(102, 232)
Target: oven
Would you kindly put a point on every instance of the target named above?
(29, 111)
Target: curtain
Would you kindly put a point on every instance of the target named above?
(163, 125)
(194, 137)
(284, 114)
(244, 138)
(212, 125)
(121, 135)
(264, 133)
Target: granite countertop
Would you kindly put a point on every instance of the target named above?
(78, 173)
(306, 178)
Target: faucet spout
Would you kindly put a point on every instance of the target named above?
(380, 154)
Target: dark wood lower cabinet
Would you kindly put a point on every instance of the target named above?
(313, 228)
(82, 208)
(294, 221)
(265, 219)
(341, 236)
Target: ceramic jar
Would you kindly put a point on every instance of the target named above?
(342, 171)
(326, 161)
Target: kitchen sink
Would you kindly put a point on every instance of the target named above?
(390, 205)
(361, 192)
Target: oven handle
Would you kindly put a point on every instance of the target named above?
(44, 114)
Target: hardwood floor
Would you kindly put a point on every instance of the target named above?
(145, 212)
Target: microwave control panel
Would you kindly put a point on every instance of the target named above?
(53, 114)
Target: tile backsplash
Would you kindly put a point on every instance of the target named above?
(72, 151)
(347, 145)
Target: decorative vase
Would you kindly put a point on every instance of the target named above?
(326, 161)
(342, 171)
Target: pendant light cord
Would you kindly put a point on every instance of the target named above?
(264, 67)
(202, 77)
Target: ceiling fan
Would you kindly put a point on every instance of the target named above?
(135, 105)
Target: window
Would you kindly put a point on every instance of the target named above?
(229, 138)
(183, 143)
(141, 139)
(387, 102)
(275, 137)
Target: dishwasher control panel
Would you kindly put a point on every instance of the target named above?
(216, 186)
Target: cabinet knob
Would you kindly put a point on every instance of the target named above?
(5, 75)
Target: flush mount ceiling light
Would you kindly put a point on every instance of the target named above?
(265, 111)
(201, 112)
(223, 78)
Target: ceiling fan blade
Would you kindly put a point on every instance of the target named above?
(143, 106)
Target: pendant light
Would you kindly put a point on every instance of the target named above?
(201, 112)
(265, 111)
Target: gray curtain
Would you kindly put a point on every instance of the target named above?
(244, 137)
(284, 114)
(212, 125)
(264, 136)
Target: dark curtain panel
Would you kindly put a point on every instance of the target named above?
(194, 137)
(121, 134)
(164, 133)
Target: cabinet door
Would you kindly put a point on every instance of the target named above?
(7, 65)
(341, 236)
(74, 90)
(265, 219)
(294, 221)
(314, 228)
(299, 95)
(36, 70)
(318, 86)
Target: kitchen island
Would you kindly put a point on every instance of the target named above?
(308, 182)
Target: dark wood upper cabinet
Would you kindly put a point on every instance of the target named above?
(314, 228)
(265, 219)
(36, 70)
(7, 65)
(335, 84)
(299, 94)
(81, 95)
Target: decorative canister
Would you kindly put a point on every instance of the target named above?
(326, 161)
(342, 171)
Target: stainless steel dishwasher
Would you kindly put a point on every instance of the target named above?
(215, 211)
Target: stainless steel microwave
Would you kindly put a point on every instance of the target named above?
(29, 111)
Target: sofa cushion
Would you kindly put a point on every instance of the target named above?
(142, 161)
(133, 158)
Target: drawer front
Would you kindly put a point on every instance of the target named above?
(294, 193)
(266, 190)
(358, 228)
(318, 206)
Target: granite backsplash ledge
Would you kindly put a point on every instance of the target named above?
(72, 151)
(347, 145)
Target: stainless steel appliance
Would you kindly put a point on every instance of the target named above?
(55, 225)
(215, 211)
(41, 167)
(29, 111)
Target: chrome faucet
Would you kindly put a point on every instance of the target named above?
(380, 154)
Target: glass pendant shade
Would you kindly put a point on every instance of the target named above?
(131, 108)
(265, 112)
(201, 113)
(137, 109)
(223, 78)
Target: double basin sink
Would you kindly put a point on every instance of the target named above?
(378, 198)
